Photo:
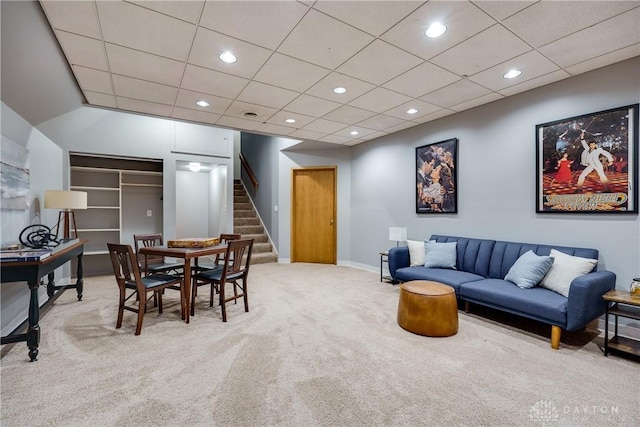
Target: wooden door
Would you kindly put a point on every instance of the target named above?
(313, 215)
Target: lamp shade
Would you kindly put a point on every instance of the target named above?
(58, 199)
(398, 233)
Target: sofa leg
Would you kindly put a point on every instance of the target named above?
(467, 306)
(555, 337)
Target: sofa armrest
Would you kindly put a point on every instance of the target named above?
(398, 258)
(585, 298)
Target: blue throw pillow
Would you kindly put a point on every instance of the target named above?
(529, 270)
(440, 255)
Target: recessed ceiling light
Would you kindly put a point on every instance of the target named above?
(354, 132)
(228, 57)
(412, 111)
(435, 30)
(194, 166)
(340, 90)
(511, 74)
(290, 120)
(203, 103)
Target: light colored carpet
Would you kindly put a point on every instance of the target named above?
(319, 347)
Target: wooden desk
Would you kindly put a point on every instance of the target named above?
(187, 254)
(32, 272)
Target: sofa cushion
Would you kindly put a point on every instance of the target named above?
(416, 252)
(473, 254)
(565, 268)
(439, 255)
(537, 303)
(443, 275)
(529, 270)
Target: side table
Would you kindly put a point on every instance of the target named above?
(384, 259)
(620, 304)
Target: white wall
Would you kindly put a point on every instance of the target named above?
(192, 204)
(496, 176)
(218, 192)
(45, 159)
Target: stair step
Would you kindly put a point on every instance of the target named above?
(261, 248)
(244, 214)
(246, 221)
(242, 207)
(248, 229)
(263, 258)
(257, 238)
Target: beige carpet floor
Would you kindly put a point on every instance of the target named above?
(319, 347)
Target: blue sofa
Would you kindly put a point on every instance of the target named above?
(481, 266)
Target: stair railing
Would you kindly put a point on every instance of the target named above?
(247, 168)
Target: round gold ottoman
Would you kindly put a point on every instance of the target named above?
(428, 308)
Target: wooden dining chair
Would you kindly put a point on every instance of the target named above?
(151, 264)
(218, 261)
(234, 272)
(128, 277)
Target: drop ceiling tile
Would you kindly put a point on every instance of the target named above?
(362, 132)
(502, 9)
(462, 19)
(93, 80)
(532, 64)
(478, 101)
(380, 122)
(482, 51)
(273, 129)
(335, 139)
(203, 80)
(186, 10)
(400, 127)
(147, 91)
(239, 108)
(380, 100)
(374, 135)
(300, 119)
(83, 51)
(132, 26)
(195, 116)
(456, 93)
(144, 106)
(604, 60)
(101, 99)
(324, 126)
(433, 116)
(78, 17)
(338, 42)
(145, 66)
(264, 23)
(601, 38)
(379, 62)
(307, 135)
(421, 80)
(188, 99)
(355, 88)
(534, 83)
(237, 123)
(348, 114)
(311, 106)
(270, 96)
(373, 17)
(547, 21)
(290, 73)
(208, 45)
(423, 108)
(353, 142)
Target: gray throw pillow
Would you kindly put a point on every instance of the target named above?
(529, 269)
(440, 255)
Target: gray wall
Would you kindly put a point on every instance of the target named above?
(496, 176)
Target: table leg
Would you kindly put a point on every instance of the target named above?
(187, 289)
(79, 278)
(51, 284)
(606, 330)
(33, 333)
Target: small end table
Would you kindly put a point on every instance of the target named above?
(384, 259)
(620, 304)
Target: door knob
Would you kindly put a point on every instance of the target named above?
(331, 222)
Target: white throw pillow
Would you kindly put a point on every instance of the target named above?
(416, 252)
(565, 268)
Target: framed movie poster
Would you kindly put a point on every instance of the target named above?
(436, 177)
(589, 163)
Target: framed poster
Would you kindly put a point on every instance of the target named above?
(436, 177)
(589, 163)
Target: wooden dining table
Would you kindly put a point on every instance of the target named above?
(186, 254)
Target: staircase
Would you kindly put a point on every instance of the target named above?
(247, 223)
